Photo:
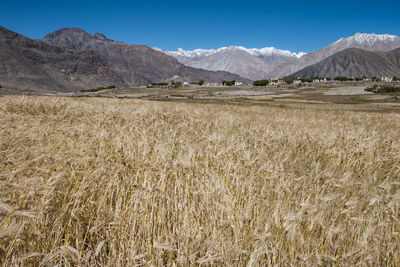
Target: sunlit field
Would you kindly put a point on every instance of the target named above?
(115, 182)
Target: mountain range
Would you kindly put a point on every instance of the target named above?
(251, 63)
(370, 42)
(31, 65)
(71, 59)
(271, 62)
(355, 62)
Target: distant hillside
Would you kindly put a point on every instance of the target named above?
(370, 42)
(34, 66)
(251, 63)
(355, 62)
(136, 64)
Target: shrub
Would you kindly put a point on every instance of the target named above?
(228, 83)
(99, 89)
(261, 83)
(385, 89)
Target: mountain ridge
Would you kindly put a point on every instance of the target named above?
(253, 51)
(252, 63)
(136, 64)
(277, 63)
(70, 59)
(371, 42)
(34, 66)
(355, 62)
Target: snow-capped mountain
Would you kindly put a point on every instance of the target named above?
(270, 62)
(355, 62)
(252, 63)
(371, 42)
(266, 51)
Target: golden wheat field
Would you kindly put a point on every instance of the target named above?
(108, 182)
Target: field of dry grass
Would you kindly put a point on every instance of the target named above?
(108, 182)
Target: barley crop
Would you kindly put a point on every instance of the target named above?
(108, 182)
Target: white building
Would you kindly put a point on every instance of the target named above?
(238, 83)
(213, 85)
(320, 80)
(387, 79)
(297, 82)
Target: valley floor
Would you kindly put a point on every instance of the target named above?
(119, 182)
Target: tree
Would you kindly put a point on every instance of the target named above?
(176, 84)
(342, 79)
(201, 82)
(261, 83)
(228, 83)
(288, 79)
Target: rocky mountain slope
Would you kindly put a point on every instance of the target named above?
(34, 66)
(371, 42)
(233, 60)
(251, 63)
(354, 62)
(136, 64)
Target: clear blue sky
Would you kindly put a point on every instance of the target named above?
(294, 25)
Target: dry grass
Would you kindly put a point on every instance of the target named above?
(106, 182)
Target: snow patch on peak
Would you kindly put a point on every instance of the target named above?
(191, 53)
(365, 37)
(370, 38)
(266, 51)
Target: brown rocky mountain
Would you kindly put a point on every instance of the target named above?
(354, 62)
(371, 42)
(236, 61)
(34, 66)
(70, 60)
(136, 64)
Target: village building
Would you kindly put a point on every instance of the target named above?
(387, 79)
(213, 85)
(276, 82)
(320, 80)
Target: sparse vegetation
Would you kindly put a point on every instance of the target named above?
(98, 89)
(228, 83)
(288, 79)
(305, 80)
(342, 79)
(383, 89)
(108, 182)
(261, 83)
(158, 85)
(176, 84)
